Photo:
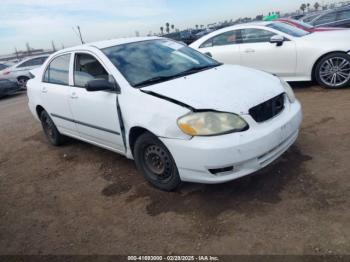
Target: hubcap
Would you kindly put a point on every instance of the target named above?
(158, 162)
(335, 71)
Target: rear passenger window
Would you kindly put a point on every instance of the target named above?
(58, 71)
(87, 68)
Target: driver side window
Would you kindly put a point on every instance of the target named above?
(228, 38)
(87, 68)
(254, 35)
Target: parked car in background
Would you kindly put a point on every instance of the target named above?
(19, 72)
(217, 122)
(339, 17)
(310, 16)
(284, 50)
(4, 65)
(187, 36)
(306, 26)
(8, 87)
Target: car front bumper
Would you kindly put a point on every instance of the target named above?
(246, 152)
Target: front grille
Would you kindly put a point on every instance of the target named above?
(268, 109)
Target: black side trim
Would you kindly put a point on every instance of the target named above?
(85, 124)
(168, 99)
(121, 124)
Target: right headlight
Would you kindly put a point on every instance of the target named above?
(211, 123)
(289, 91)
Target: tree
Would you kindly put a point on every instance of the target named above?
(197, 26)
(162, 30)
(167, 28)
(172, 27)
(308, 6)
(303, 7)
(316, 6)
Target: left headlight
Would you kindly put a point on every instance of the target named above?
(289, 91)
(211, 123)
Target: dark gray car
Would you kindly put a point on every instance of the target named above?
(8, 87)
(339, 17)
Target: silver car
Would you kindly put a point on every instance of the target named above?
(19, 72)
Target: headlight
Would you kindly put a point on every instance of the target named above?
(211, 123)
(289, 91)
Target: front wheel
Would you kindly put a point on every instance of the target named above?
(155, 162)
(333, 71)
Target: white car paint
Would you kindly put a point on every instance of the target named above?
(157, 108)
(293, 61)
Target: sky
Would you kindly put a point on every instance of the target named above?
(39, 22)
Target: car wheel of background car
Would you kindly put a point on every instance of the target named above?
(156, 163)
(22, 81)
(50, 130)
(333, 71)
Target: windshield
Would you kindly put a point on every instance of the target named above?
(288, 29)
(149, 62)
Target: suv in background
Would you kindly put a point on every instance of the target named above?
(335, 18)
(19, 72)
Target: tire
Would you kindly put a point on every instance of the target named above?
(50, 130)
(22, 81)
(155, 162)
(333, 71)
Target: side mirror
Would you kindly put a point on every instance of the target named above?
(103, 85)
(99, 85)
(277, 39)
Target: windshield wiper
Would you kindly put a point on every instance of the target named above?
(159, 79)
(153, 80)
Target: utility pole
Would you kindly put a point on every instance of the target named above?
(53, 46)
(16, 52)
(81, 38)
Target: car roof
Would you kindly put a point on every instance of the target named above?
(110, 43)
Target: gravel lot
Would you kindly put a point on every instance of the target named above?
(79, 199)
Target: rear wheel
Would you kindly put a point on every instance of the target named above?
(50, 130)
(333, 71)
(156, 163)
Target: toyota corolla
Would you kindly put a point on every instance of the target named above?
(181, 115)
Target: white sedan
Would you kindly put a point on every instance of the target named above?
(284, 50)
(180, 114)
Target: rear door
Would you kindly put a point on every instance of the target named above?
(257, 52)
(95, 113)
(223, 47)
(55, 91)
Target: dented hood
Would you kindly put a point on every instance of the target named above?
(226, 88)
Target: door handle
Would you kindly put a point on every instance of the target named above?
(74, 95)
(250, 50)
(44, 90)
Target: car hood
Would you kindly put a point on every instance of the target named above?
(227, 88)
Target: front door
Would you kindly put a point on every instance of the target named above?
(257, 52)
(95, 113)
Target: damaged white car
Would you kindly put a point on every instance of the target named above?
(180, 115)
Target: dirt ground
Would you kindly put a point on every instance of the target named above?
(80, 199)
